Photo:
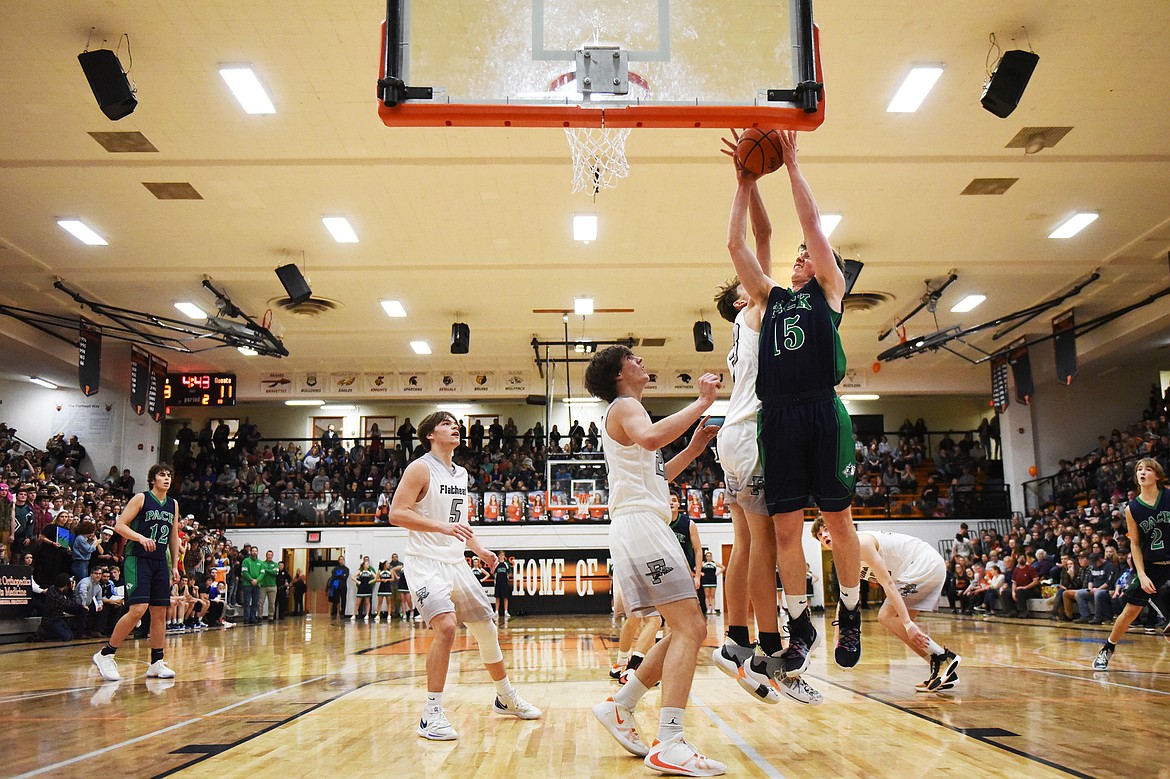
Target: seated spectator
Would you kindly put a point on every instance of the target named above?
(1025, 585)
(54, 603)
(1102, 575)
(972, 598)
(88, 595)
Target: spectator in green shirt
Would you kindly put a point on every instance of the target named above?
(268, 570)
(251, 569)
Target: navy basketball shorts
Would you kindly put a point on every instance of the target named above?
(1159, 574)
(806, 448)
(148, 580)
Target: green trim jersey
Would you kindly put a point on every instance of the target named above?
(155, 520)
(1153, 527)
(800, 348)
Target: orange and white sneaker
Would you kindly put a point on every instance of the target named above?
(677, 757)
(620, 723)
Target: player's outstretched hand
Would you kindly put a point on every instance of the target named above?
(709, 384)
(704, 434)
(460, 530)
(788, 144)
(916, 636)
(741, 174)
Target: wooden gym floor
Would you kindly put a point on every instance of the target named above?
(311, 697)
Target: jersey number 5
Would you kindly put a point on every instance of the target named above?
(455, 504)
(793, 335)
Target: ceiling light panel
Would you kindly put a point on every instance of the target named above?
(340, 228)
(393, 308)
(248, 91)
(82, 232)
(1074, 224)
(914, 89)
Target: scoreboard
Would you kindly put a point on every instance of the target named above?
(201, 389)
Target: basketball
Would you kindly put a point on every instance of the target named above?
(759, 151)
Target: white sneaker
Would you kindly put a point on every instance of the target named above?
(159, 670)
(515, 706)
(225, 624)
(801, 691)
(108, 667)
(620, 723)
(677, 757)
(434, 726)
(758, 675)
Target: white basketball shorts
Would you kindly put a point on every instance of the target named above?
(648, 563)
(739, 454)
(439, 588)
(923, 591)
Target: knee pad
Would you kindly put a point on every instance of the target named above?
(488, 639)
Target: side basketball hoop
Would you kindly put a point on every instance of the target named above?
(599, 153)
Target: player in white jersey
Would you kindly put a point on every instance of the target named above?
(431, 503)
(753, 555)
(912, 574)
(647, 560)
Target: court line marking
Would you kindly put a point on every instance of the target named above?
(161, 731)
(768, 769)
(983, 740)
(1087, 679)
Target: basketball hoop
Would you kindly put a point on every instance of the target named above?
(599, 153)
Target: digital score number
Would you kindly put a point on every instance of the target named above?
(200, 389)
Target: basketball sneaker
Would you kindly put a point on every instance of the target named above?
(803, 638)
(615, 671)
(758, 675)
(848, 650)
(947, 684)
(159, 670)
(943, 668)
(1101, 661)
(435, 727)
(620, 723)
(677, 757)
(107, 666)
(796, 688)
(512, 705)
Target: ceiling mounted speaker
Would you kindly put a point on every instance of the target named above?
(1007, 83)
(294, 283)
(108, 81)
(703, 340)
(460, 338)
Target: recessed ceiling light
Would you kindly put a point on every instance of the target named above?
(585, 227)
(246, 86)
(190, 310)
(968, 304)
(342, 407)
(420, 347)
(1074, 224)
(82, 232)
(914, 89)
(861, 397)
(42, 382)
(340, 229)
(829, 223)
(393, 308)
(304, 403)
(583, 306)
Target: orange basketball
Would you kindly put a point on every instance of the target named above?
(759, 151)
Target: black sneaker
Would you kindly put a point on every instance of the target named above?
(803, 639)
(944, 669)
(848, 650)
(1101, 661)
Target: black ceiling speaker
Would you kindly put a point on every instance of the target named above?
(108, 81)
(460, 338)
(294, 283)
(703, 340)
(1007, 83)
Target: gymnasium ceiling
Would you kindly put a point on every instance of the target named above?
(477, 221)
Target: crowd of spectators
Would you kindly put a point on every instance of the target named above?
(1072, 553)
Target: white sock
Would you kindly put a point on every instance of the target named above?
(434, 701)
(796, 604)
(622, 657)
(630, 693)
(504, 688)
(934, 648)
(670, 722)
(850, 596)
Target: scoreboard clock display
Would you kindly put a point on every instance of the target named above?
(201, 389)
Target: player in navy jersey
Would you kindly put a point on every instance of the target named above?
(152, 564)
(1147, 519)
(805, 433)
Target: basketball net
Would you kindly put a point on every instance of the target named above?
(599, 157)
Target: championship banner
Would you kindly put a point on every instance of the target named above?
(344, 383)
(412, 383)
(683, 379)
(139, 379)
(1021, 371)
(310, 383)
(1065, 340)
(562, 581)
(448, 382)
(15, 591)
(999, 383)
(89, 358)
(275, 384)
(515, 383)
(484, 381)
(156, 401)
(379, 383)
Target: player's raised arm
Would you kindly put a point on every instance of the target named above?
(403, 508)
(761, 230)
(704, 434)
(820, 252)
(628, 418)
(748, 267)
